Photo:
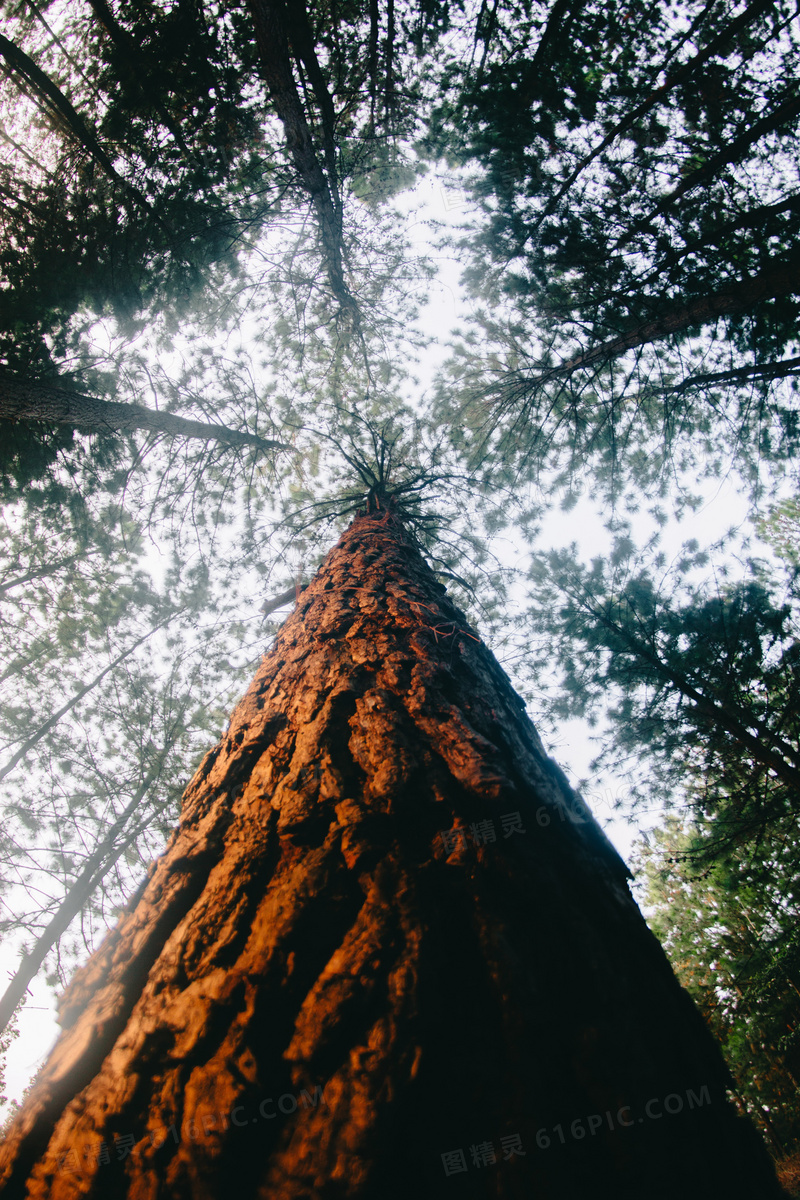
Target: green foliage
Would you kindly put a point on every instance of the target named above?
(83, 239)
(781, 528)
(27, 453)
(164, 245)
(706, 681)
(196, 164)
(77, 599)
(698, 683)
(629, 167)
(587, 153)
(731, 932)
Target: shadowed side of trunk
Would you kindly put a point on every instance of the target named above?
(387, 952)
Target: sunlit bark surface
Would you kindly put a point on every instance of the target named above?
(485, 1012)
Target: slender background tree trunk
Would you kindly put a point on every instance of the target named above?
(36, 402)
(96, 867)
(309, 927)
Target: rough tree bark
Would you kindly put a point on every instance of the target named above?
(309, 927)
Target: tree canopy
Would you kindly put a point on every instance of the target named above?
(731, 932)
(696, 681)
(636, 257)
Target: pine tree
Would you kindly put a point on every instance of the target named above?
(731, 933)
(636, 266)
(701, 682)
(35, 402)
(386, 944)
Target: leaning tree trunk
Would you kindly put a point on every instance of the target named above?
(387, 953)
(22, 401)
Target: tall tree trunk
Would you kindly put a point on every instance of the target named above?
(780, 278)
(383, 888)
(272, 38)
(96, 867)
(20, 401)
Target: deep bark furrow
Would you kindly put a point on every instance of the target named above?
(441, 994)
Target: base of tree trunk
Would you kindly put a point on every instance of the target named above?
(387, 953)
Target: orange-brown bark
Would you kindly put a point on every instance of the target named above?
(309, 927)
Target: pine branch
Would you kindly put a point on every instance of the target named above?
(37, 736)
(780, 278)
(94, 870)
(677, 77)
(39, 573)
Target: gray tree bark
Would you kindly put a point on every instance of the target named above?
(20, 401)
